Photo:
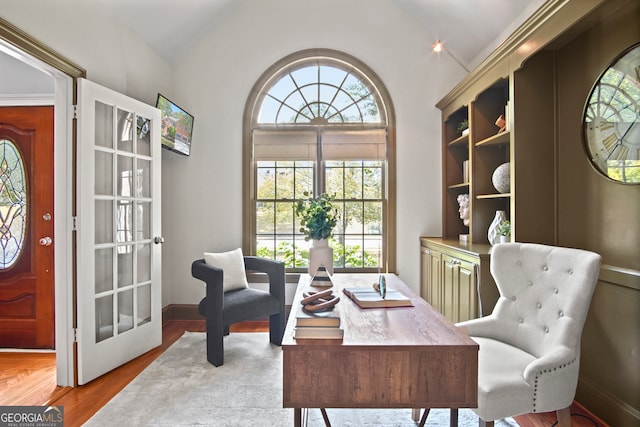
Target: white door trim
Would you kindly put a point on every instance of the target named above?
(63, 199)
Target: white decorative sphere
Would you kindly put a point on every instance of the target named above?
(501, 178)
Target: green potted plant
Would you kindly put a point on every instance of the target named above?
(318, 217)
(463, 127)
(504, 231)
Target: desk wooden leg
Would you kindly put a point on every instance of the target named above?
(453, 418)
(415, 414)
(325, 417)
(297, 417)
(423, 420)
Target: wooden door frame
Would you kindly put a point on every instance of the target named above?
(20, 45)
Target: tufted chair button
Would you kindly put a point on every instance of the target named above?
(518, 262)
(539, 305)
(530, 283)
(545, 268)
(555, 290)
(546, 330)
(521, 320)
(570, 271)
(513, 298)
(560, 314)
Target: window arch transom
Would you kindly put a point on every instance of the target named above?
(321, 92)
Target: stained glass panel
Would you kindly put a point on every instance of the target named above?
(13, 204)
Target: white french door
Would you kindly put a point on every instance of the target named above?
(119, 292)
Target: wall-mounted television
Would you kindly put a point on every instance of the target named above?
(176, 126)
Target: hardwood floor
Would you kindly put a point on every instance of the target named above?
(29, 379)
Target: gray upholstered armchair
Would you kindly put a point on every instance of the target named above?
(222, 309)
(530, 344)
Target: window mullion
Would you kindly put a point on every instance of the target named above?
(319, 185)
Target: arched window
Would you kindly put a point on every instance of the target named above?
(320, 121)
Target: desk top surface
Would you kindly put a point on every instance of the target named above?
(420, 325)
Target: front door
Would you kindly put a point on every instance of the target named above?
(118, 223)
(26, 228)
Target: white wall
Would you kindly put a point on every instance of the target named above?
(203, 192)
(19, 78)
(112, 55)
(202, 200)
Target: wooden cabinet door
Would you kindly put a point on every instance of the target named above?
(449, 287)
(467, 291)
(431, 277)
(459, 284)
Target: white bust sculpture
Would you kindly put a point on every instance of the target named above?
(463, 201)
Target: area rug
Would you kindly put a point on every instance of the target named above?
(180, 388)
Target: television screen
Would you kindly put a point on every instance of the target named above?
(176, 126)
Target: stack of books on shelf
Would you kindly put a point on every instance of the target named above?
(320, 325)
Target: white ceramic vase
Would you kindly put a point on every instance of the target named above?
(492, 234)
(320, 254)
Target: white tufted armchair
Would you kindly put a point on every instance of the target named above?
(530, 344)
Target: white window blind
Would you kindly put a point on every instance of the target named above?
(284, 145)
(368, 144)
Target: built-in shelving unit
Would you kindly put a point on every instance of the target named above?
(539, 79)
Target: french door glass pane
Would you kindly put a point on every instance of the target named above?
(125, 131)
(103, 270)
(125, 265)
(125, 310)
(125, 176)
(143, 220)
(143, 140)
(125, 223)
(104, 318)
(143, 184)
(143, 254)
(104, 125)
(104, 221)
(144, 305)
(104, 173)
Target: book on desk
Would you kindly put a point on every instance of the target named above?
(371, 298)
(329, 318)
(318, 325)
(318, 332)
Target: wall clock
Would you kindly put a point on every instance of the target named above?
(611, 120)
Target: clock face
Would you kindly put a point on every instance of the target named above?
(612, 119)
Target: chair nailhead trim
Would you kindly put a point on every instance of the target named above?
(535, 382)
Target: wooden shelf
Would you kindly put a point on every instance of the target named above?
(493, 196)
(501, 138)
(461, 140)
(461, 185)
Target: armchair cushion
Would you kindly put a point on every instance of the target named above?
(232, 263)
(501, 386)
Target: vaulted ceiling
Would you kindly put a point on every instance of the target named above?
(467, 27)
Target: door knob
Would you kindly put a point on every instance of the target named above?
(45, 241)
(158, 239)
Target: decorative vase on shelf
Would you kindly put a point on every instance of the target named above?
(492, 234)
(501, 178)
(320, 254)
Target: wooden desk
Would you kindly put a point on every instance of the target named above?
(404, 357)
